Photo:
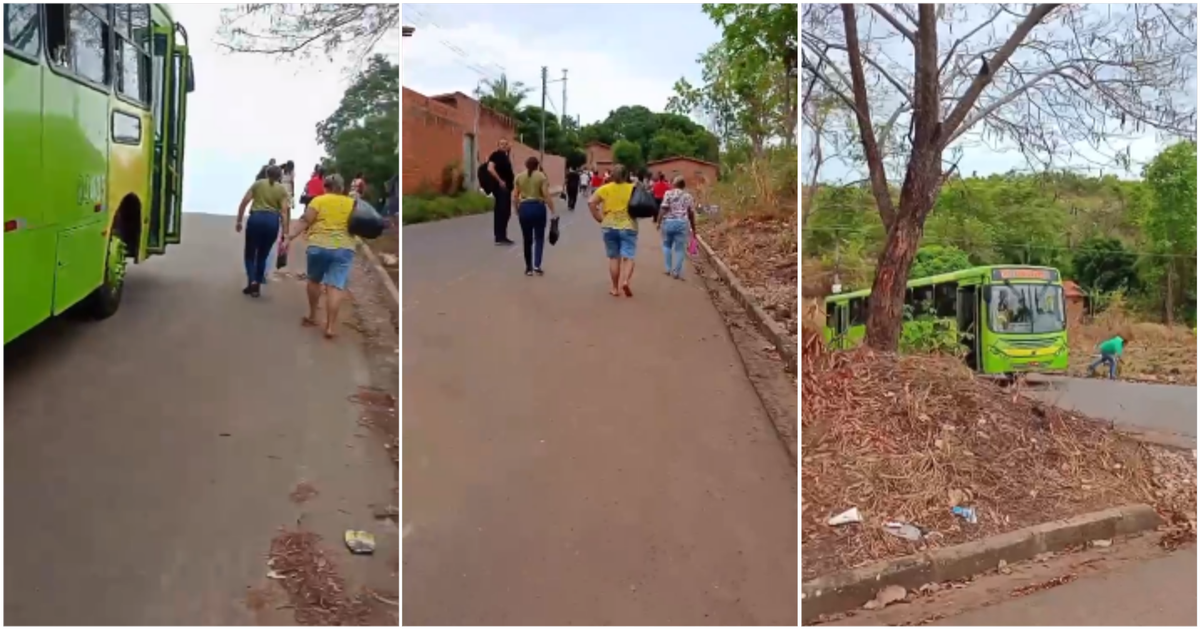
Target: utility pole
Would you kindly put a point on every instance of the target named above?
(564, 111)
(542, 143)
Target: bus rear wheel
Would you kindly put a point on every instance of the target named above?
(105, 300)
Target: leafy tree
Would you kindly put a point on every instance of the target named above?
(628, 154)
(938, 259)
(505, 97)
(362, 134)
(374, 93)
(1059, 76)
(1171, 222)
(1105, 265)
(301, 30)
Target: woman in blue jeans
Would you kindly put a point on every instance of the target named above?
(677, 222)
(269, 206)
(531, 195)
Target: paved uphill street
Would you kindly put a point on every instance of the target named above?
(571, 458)
(1165, 408)
(149, 458)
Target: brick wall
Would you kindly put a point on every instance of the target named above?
(436, 139)
(432, 139)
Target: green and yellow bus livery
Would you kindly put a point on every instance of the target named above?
(95, 99)
(1010, 319)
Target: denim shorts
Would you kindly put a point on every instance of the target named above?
(620, 243)
(330, 267)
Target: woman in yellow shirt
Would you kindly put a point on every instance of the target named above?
(269, 206)
(330, 253)
(531, 196)
(619, 230)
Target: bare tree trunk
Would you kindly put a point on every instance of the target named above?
(1170, 300)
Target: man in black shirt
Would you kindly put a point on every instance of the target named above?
(499, 166)
(572, 188)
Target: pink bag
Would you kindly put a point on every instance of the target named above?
(693, 246)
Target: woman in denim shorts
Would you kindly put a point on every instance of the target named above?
(610, 207)
(330, 253)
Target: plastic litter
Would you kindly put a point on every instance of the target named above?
(360, 542)
(849, 516)
(966, 513)
(904, 530)
(887, 596)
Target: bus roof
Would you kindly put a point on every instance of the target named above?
(165, 11)
(972, 272)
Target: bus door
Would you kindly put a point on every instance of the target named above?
(968, 320)
(182, 84)
(160, 85)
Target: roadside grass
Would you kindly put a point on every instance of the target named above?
(1157, 353)
(426, 208)
(755, 230)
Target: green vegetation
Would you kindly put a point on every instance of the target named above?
(363, 134)
(1107, 234)
(420, 208)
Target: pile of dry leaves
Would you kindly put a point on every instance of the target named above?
(761, 252)
(907, 439)
(315, 589)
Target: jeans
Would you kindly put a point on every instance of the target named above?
(532, 216)
(1111, 360)
(330, 267)
(502, 211)
(674, 243)
(262, 230)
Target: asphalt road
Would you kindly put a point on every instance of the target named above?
(1160, 407)
(1159, 592)
(149, 458)
(571, 458)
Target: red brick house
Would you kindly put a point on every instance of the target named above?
(1076, 300)
(599, 156)
(440, 131)
(699, 174)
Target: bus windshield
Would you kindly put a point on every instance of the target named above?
(1026, 308)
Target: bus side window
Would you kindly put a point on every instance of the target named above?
(858, 311)
(921, 300)
(945, 298)
(831, 318)
(21, 28)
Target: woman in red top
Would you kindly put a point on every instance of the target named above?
(597, 180)
(315, 186)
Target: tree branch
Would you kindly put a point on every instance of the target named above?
(960, 40)
(879, 186)
(891, 19)
(959, 113)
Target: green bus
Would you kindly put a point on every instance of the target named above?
(1009, 319)
(95, 98)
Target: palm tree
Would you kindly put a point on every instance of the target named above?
(505, 97)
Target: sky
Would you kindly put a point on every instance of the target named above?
(454, 46)
(249, 108)
(993, 156)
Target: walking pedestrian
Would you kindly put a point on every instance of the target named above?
(609, 205)
(330, 253)
(676, 221)
(269, 208)
(315, 186)
(572, 185)
(534, 206)
(287, 180)
(499, 166)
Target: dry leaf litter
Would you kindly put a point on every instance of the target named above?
(906, 439)
(315, 589)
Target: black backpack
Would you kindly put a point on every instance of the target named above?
(485, 179)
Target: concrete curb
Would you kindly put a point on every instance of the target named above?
(769, 327)
(381, 274)
(850, 589)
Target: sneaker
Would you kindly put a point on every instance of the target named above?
(539, 272)
(505, 243)
(528, 273)
(255, 290)
(248, 289)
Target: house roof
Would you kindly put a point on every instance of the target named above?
(1071, 289)
(684, 158)
(597, 143)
